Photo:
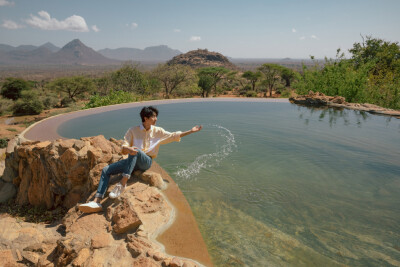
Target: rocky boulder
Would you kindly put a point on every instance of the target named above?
(57, 173)
(67, 172)
(319, 99)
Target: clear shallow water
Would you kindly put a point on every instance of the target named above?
(275, 184)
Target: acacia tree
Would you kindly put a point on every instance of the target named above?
(215, 73)
(288, 76)
(129, 79)
(272, 75)
(75, 87)
(172, 76)
(206, 82)
(252, 77)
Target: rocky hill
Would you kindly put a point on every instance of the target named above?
(202, 58)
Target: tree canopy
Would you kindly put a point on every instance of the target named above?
(271, 74)
(75, 87)
(215, 73)
(12, 88)
(371, 74)
(171, 76)
(252, 77)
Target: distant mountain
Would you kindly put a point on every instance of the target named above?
(51, 47)
(25, 48)
(9, 48)
(153, 53)
(6, 48)
(202, 58)
(76, 53)
(73, 53)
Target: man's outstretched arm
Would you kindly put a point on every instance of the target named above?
(193, 130)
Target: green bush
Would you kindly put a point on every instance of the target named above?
(251, 93)
(5, 105)
(50, 101)
(66, 102)
(3, 143)
(114, 97)
(27, 107)
(29, 104)
(286, 93)
(372, 74)
(245, 89)
(12, 88)
(188, 91)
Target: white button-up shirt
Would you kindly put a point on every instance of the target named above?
(149, 141)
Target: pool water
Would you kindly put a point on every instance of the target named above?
(276, 184)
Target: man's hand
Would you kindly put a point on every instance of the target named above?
(193, 130)
(130, 150)
(196, 128)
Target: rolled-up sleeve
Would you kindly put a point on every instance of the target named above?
(128, 138)
(168, 137)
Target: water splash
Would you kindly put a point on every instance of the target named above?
(212, 159)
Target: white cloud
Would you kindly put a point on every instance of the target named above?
(134, 25)
(177, 30)
(6, 3)
(11, 25)
(94, 28)
(294, 30)
(314, 37)
(302, 38)
(45, 22)
(195, 38)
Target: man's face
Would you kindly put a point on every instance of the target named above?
(151, 120)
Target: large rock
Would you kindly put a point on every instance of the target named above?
(7, 191)
(64, 173)
(124, 217)
(319, 99)
(58, 173)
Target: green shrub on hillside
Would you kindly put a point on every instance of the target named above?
(29, 104)
(5, 105)
(114, 97)
(251, 93)
(50, 101)
(66, 102)
(12, 88)
(372, 74)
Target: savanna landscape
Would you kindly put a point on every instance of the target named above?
(296, 162)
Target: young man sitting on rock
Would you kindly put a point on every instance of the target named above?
(141, 143)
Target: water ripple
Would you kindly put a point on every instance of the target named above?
(210, 160)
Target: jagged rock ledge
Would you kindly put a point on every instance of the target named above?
(64, 173)
(319, 99)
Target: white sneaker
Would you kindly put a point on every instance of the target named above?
(118, 189)
(90, 207)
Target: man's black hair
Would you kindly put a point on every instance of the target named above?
(148, 112)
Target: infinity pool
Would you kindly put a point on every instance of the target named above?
(275, 184)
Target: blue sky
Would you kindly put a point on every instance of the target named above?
(235, 28)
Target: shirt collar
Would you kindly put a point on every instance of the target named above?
(143, 129)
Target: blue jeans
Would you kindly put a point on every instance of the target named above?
(140, 161)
